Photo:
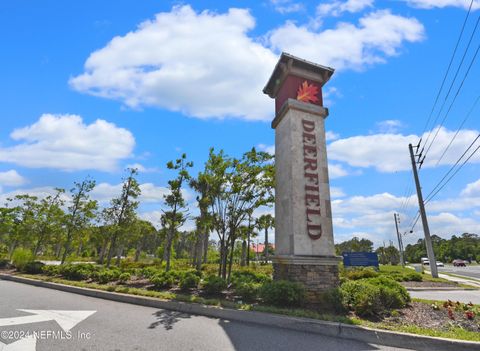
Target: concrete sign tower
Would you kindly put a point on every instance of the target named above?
(304, 248)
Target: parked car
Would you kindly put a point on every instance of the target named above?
(426, 262)
(440, 264)
(459, 263)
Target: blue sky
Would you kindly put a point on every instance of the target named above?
(89, 88)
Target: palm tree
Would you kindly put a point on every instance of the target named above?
(265, 222)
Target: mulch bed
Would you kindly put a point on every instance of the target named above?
(425, 316)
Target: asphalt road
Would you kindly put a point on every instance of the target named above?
(107, 325)
(464, 296)
(469, 271)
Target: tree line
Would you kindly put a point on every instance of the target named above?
(70, 224)
(465, 246)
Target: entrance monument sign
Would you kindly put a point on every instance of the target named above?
(304, 248)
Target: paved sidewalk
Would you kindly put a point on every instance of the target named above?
(463, 280)
(464, 296)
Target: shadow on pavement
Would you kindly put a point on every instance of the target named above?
(167, 319)
(251, 337)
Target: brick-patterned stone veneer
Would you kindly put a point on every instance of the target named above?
(316, 278)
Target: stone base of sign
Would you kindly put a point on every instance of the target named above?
(317, 273)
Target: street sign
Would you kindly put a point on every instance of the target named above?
(360, 259)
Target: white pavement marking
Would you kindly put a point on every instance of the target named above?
(25, 344)
(65, 319)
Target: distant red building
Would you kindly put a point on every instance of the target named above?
(260, 247)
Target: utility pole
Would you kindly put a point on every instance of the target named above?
(399, 236)
(426, 230)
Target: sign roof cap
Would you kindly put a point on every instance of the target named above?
(289, 64)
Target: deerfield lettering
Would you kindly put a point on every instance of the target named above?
(312, 190)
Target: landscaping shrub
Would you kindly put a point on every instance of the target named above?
(413, 277)
(283, 293)
(214, 284)
(51, 270)
(107, 275)
(331, 301)
(150, 272)
(247, 276)
(394, 294)
(81, 271)
(360, 273)
(247, 290)
(373, 296)
(33, 267)
(189, 280)
(163, 280)
(20, 258)
(124, 277)
(362, 298)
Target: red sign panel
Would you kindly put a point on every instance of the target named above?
(300, 89)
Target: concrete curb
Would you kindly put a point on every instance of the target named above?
(333, 329)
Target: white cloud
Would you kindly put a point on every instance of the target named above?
(65, 142)
(141, 168)
(287, 6)
(336, 8)
(11, 178)
(203, 64)
(472, 189)
(389, 152)
(206, 65)
(267, 148)
(379, 35)
(373, 215)
(389, 126)
(336, 171)
(429, 4)
(336, 192)
(329, 135)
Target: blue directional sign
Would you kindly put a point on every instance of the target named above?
(360, 259)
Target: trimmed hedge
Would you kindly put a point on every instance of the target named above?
(283, 293)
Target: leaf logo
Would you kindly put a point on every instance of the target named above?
(307, 92)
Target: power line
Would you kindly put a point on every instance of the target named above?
(454, 98)
(432, 193)
(449, 66)
(458, 130)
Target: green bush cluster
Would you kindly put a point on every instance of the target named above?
(21, 257)
(106, 275)
(247, 290)
(360, 273)
(373, 296)
(33, 267)
(397, 273)
(189, 280)
(213, 284)
(283, 293)
(248, 276)
(165, 280)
